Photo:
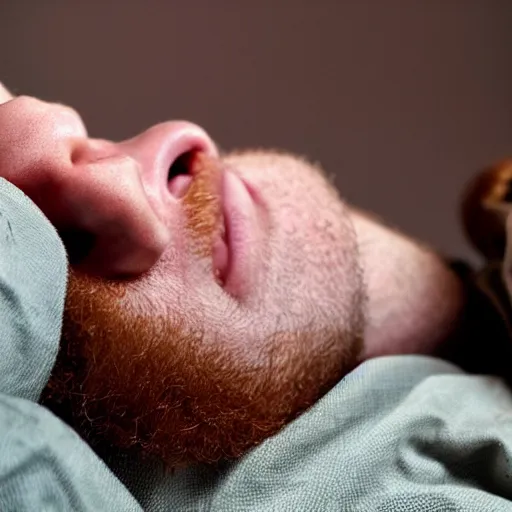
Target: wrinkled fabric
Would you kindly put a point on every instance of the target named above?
(44, 465)
(401, 433)
(398, 434)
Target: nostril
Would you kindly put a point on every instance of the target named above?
(180, 166)
(179, 177)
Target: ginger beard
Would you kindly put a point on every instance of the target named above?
(164, 386)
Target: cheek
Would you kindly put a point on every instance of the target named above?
(315, 267)
(313, 226)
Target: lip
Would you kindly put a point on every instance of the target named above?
(241, 236)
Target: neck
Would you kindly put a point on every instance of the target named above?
(414, 299)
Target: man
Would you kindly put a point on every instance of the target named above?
(210, 301)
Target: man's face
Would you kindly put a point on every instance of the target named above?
(213, 298)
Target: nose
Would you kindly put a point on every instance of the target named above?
(110, 202)
(130, 187)
(159, 151)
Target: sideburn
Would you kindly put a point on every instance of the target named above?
(202, 202)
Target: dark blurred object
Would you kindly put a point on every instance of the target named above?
(486, 205)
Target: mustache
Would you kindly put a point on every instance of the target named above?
(203, 202)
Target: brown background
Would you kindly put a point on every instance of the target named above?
(402, 100)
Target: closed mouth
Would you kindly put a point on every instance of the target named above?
(197, 181)
(221, 215)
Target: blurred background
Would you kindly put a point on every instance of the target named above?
(401, 100)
